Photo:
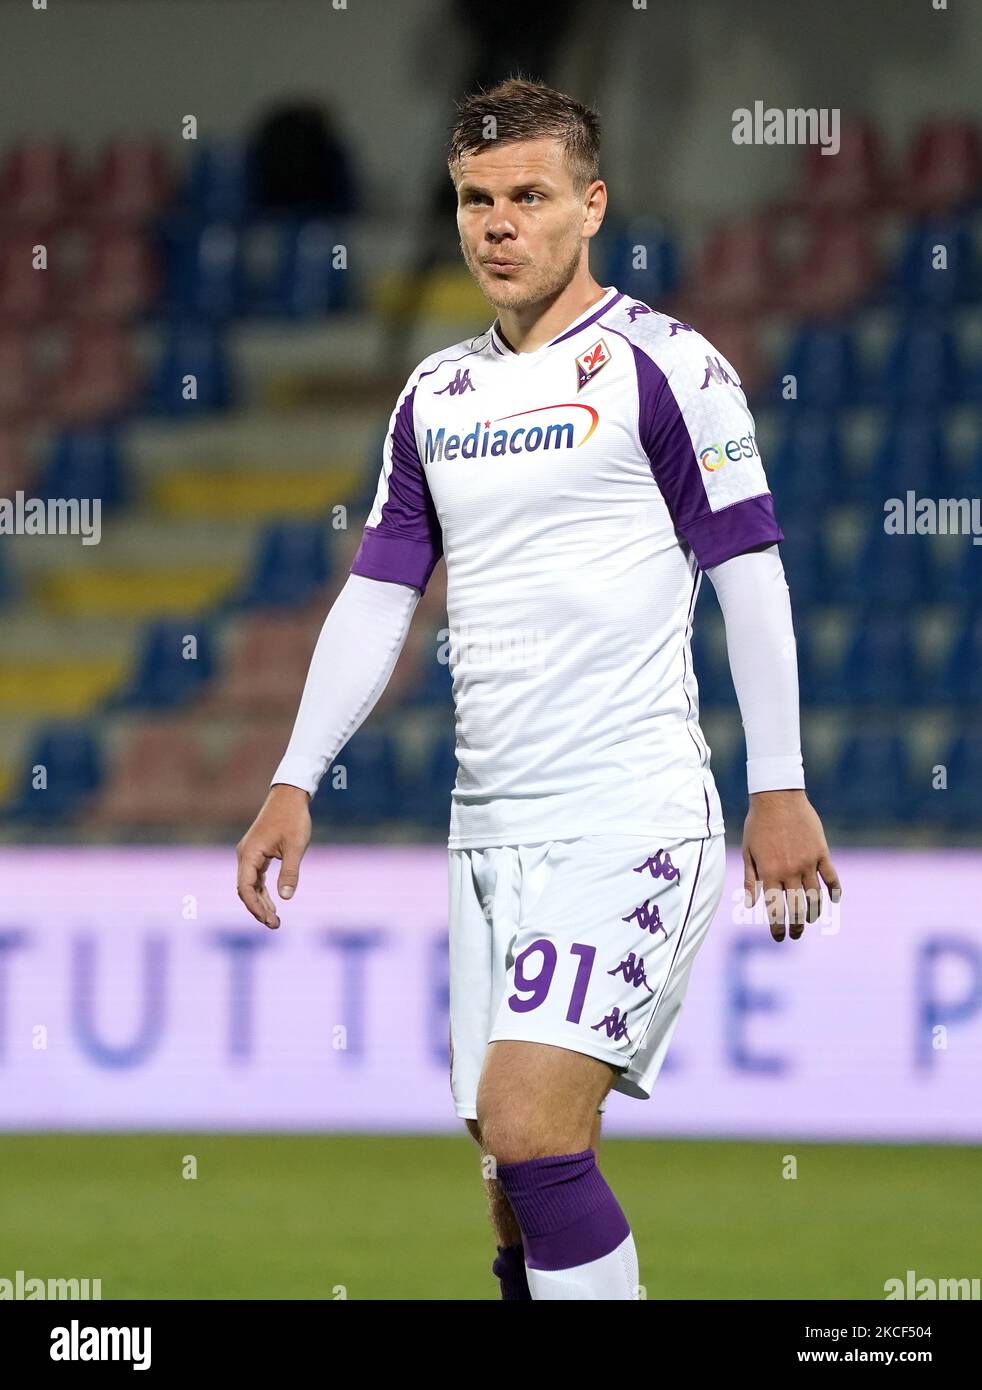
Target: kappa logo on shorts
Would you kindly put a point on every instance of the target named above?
(648, 918)
(633, 971)
(661, 866)
(615, 1023)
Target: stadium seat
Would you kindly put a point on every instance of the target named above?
(16, 467)
(38, 183)
(268, 665)
(204, 273)
(119, 278)
(170, 670)
(237, 786)
(97, 381)
(130, 185)
(871, 782)
(959, 677)
(70, 759)
(913, 454)
(737, 273)
(922, 368)
(838, 269)
(804, 553)
(853, 181)
(808, 469)
(943, 170)
(956, 806)
(28, 296)
(305, 282)
(292, 565)
(19, 378)
(824, 363)
(217, 187)
(880, 666)
(918, 280)
(652, 282)
(372, 792)
(890, 572)
(428, 798)
(190, 351)
(433, 686)
(85, 463)
(157, 779)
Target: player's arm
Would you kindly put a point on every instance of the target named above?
(698, 432)
(355, 654)
(357, 649)
(784, 846)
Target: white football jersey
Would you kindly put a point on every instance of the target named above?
(577, 493)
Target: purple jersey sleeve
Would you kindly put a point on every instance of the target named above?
(698, 433)
(402, 540)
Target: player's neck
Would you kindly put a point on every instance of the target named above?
(527, 329)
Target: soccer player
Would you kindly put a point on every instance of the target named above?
(578, 466)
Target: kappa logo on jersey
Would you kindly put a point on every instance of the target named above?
(715, 455)
(715, 371)
(483, 440)
(461, 383)
(588, 364)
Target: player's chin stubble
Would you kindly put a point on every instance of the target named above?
(535, 286)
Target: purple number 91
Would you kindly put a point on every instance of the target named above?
(537, 986)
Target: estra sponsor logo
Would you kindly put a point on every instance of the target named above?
(713, 456)
(565, 425)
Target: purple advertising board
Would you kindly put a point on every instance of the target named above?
(136, 993)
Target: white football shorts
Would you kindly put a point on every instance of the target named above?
(584, 943)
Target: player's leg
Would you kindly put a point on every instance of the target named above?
(509, 1264)
(537, 1111)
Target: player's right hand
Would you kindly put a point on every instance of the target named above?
(280, 831)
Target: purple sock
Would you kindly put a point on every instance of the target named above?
(567, 1213)
(510, 1269)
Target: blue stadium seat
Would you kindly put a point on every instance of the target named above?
(730, 775)
(292, 564)
(428, 801)
(960, 677)
(958, 805)
(165, 675)
(808, 467)
(825, 365)
(196, 350)
(85, 463)
(711, 668)
(218, 185)
(434, 689)
(305, 282)
(70, 757)
(871, 781)
(922, 368)
(373, 791)
(804, 553)
(890, 571)
(913, 455)
(658, 278)
(880, 664)
(918, 281)
(204, 271)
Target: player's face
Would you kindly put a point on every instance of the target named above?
(521, 221)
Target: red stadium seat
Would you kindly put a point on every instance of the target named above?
(28, 295)
(38, 183)
(268, 666)
(944, 168)
(738, 272)
(15, 465)
(238, 787)
(98, 378)
(119, 278)
(19, 389)
(839, 268)
(131, 183)
(157, 779)
(852, 180)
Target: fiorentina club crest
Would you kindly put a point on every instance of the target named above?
(590, 362)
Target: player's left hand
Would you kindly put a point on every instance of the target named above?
(784, 851)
